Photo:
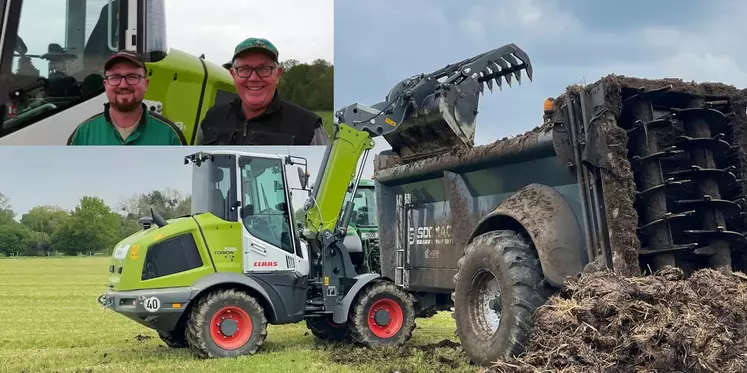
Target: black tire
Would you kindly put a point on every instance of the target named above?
(510, 260)
(175, 339)
(382, 294)
(204, 339)
(325, 329)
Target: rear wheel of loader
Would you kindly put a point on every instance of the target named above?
(326, 329)
(226, 323)
(498, 287)
(382, 315)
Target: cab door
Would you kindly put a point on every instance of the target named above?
(272, 252)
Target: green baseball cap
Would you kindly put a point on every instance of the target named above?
(256, 43)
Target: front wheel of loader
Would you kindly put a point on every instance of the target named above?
(226, 323)
(325, 329)
(382, 315)
(498, 287)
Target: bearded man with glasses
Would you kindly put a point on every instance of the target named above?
(126, 120)
(259, 116)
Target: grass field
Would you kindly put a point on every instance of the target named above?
(51, 322)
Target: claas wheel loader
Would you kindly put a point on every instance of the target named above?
(215, 279)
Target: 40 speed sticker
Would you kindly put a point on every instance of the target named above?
(152, 304)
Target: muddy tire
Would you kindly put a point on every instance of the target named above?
(325, 329)
(226, 323)
(498, 263)
(382, 315)
(176, 339)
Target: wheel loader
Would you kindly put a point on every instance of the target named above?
(52, 77)
(215, 279)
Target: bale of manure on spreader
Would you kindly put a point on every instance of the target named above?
(605, 322)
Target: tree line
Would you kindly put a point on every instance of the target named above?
(308, 85)
(91, 227)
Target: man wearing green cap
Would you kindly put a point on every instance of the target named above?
(259, 116)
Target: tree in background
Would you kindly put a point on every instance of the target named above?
(6, 212)
(91, 228)
(308, 85)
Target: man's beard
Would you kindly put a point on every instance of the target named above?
(128, 106)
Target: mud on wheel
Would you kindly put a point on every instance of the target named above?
(382, 315)
(327, 330)
(226, 323)
(498, 287)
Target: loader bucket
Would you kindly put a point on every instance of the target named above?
(441, 107)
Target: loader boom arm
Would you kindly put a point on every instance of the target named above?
(422, 116)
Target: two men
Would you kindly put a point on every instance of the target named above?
(257, 117)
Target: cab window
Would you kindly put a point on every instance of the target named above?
(265, 207)
(59, 56)
(364, 207)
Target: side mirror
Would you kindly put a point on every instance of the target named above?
(246, 211)
(303, 178)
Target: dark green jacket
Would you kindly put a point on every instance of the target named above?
(153, 129)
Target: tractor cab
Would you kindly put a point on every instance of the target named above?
(60, 49)
(55, 78)
(363, 232)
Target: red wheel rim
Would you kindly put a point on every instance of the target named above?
(231, 315)
(396, 318)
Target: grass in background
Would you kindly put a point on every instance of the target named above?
(51, 322)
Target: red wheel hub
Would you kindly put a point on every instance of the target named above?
(385, 318)
(230, 327)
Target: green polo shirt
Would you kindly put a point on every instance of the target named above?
(152, 129)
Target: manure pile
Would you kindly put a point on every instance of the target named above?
(604, 322)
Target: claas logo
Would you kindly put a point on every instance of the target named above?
(265, 264)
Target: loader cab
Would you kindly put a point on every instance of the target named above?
(54, 63)
(252, 189)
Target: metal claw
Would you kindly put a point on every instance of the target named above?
(499, 82)
(490, 84)
(517, 73)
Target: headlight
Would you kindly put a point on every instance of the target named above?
(121, 252)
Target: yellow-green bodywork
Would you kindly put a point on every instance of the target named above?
(223, 237)
(177, 83)
(347, 147)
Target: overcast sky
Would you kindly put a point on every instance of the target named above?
(378, 44)
(301, 30)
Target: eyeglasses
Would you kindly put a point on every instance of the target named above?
(131, 79)
(262, 71)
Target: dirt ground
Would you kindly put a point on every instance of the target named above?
(605, 322)
(443, 356)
